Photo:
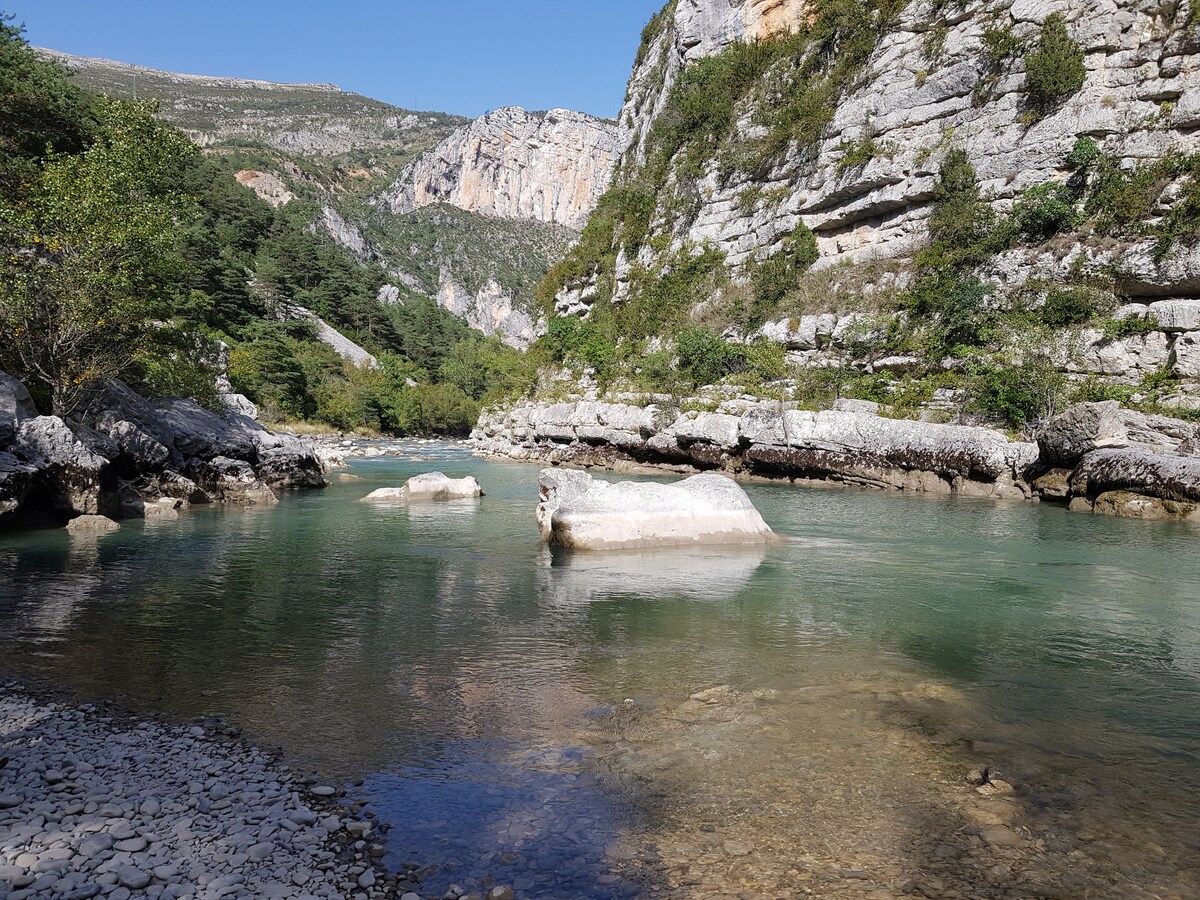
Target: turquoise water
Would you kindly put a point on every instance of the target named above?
(474, 680)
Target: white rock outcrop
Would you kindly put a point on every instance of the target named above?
(582, 513)
(1138, 102)
(491, 310)
(548, 167)
(428, 486)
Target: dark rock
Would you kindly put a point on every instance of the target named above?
(15, 405)
(1067, 438)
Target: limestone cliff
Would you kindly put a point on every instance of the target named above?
(864, 184)
(548, 167)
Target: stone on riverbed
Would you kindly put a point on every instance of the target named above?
(580, 512)
(429, 486)
(92, 525)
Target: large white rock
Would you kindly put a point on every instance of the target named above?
(429, 486)
(580, 512)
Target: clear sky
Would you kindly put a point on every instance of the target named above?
(458, 56)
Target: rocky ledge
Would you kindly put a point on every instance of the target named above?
(128, 456)
(1095, 457)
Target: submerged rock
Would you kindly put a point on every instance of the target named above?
(580, 512)
(429, 486)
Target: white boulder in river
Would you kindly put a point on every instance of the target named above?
(580, 512)
(429, 486)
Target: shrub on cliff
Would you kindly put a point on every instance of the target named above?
(774, 277)
(1054, 70)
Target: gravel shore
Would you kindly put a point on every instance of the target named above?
(93, 805)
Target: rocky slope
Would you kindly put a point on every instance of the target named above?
(548, 167)
(126, 456)
(303, 120)
(319, 145)
(918, 93)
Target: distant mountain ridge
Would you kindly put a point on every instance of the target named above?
(523, 183)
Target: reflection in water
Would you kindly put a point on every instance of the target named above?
(428, 648)
(701, 573)
(525, 819)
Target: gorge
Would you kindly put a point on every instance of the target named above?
(850, 317)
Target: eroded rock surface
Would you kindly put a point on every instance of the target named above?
(579, 512)
(122, 455)
(548, 167)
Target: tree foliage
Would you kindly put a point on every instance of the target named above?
(90, 248)
(1054, 70)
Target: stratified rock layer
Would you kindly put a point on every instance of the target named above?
(548, 167)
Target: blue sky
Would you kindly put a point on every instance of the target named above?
(459, 56)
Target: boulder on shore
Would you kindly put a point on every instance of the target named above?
(580, 512)
(429, 486)
(120, 454)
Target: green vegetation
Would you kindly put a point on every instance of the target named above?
(1054, 70)
(471, 248)
(91, 245)
(130, 255)
(775, 276)
(793, 82)
(857, 154)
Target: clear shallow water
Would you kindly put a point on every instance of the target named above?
(477, 681)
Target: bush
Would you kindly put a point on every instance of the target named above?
(1055, 70)
(1018, 395)
(1069, 306)
(436, 408)
(706, 358)
(1000, 44)
(962, 220)
(1130, 326)
(1084, 154)
(1046, 210)
(773, 278)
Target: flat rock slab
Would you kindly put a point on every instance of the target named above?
(580, 512)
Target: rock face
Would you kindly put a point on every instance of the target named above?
(1120, 462)
(1095, 457)
(582, 513)
(549, 167)
(267, 185)
(429, 486)
(843, 446)
(129, 456)
(1139, 56)
(491, 310)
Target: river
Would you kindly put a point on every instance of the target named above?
(795, 720)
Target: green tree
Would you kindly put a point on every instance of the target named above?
(39, 108)
(89, 250)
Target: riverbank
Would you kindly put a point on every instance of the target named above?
(100, 803)
(1095, 457)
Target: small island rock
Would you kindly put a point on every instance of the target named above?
(580, 512)
(429, 486)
